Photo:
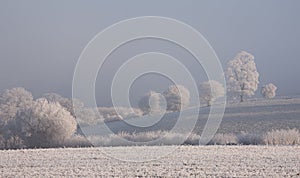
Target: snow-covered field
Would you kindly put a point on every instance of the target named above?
(183, 161)
(258, 116)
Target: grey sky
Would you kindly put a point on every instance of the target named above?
(40, 42)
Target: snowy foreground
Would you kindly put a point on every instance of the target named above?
(182, 161)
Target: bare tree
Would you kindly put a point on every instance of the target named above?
(242, 75)
(210, 91)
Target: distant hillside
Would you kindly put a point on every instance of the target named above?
(254, 116)
(259, 116)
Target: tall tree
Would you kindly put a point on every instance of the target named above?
(242, 75)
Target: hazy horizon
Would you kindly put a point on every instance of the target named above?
(41, 41)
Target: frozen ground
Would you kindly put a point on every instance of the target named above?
(183, 161)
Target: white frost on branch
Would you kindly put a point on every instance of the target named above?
(177, 97)
(210, 91)
(152, 103)
(269, 91)
(45, 124)
(242, 75)
(12, 100)
(69, 104)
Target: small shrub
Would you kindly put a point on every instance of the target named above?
(77, 141)
(193, 139)
(223, 139)
(282, 137)
(145, 138)
(14, 142)
(250, 139)
(2, 142)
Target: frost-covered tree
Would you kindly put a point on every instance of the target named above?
(242, 75)
(177, 97)
(210, 91)
(44, 124)
(269, 91)
(152, 103)
(84, 116)
(12, 100)
(68, 104)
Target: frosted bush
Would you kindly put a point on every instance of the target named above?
(77, 141)
(84, 116)
(250, 139)
(278, 137)
(69, 104)
(193, 139)
(224, 139)
(2, 142)
(45, 124)
(282, 137)
(145, 138)
(269, 91)
(120, 138)
(14, 142)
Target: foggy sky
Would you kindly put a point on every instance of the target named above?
(40, 42)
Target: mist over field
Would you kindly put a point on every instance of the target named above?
(149, 89)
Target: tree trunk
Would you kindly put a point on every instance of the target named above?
(242, 94)
(209, 103)
(242, 99)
